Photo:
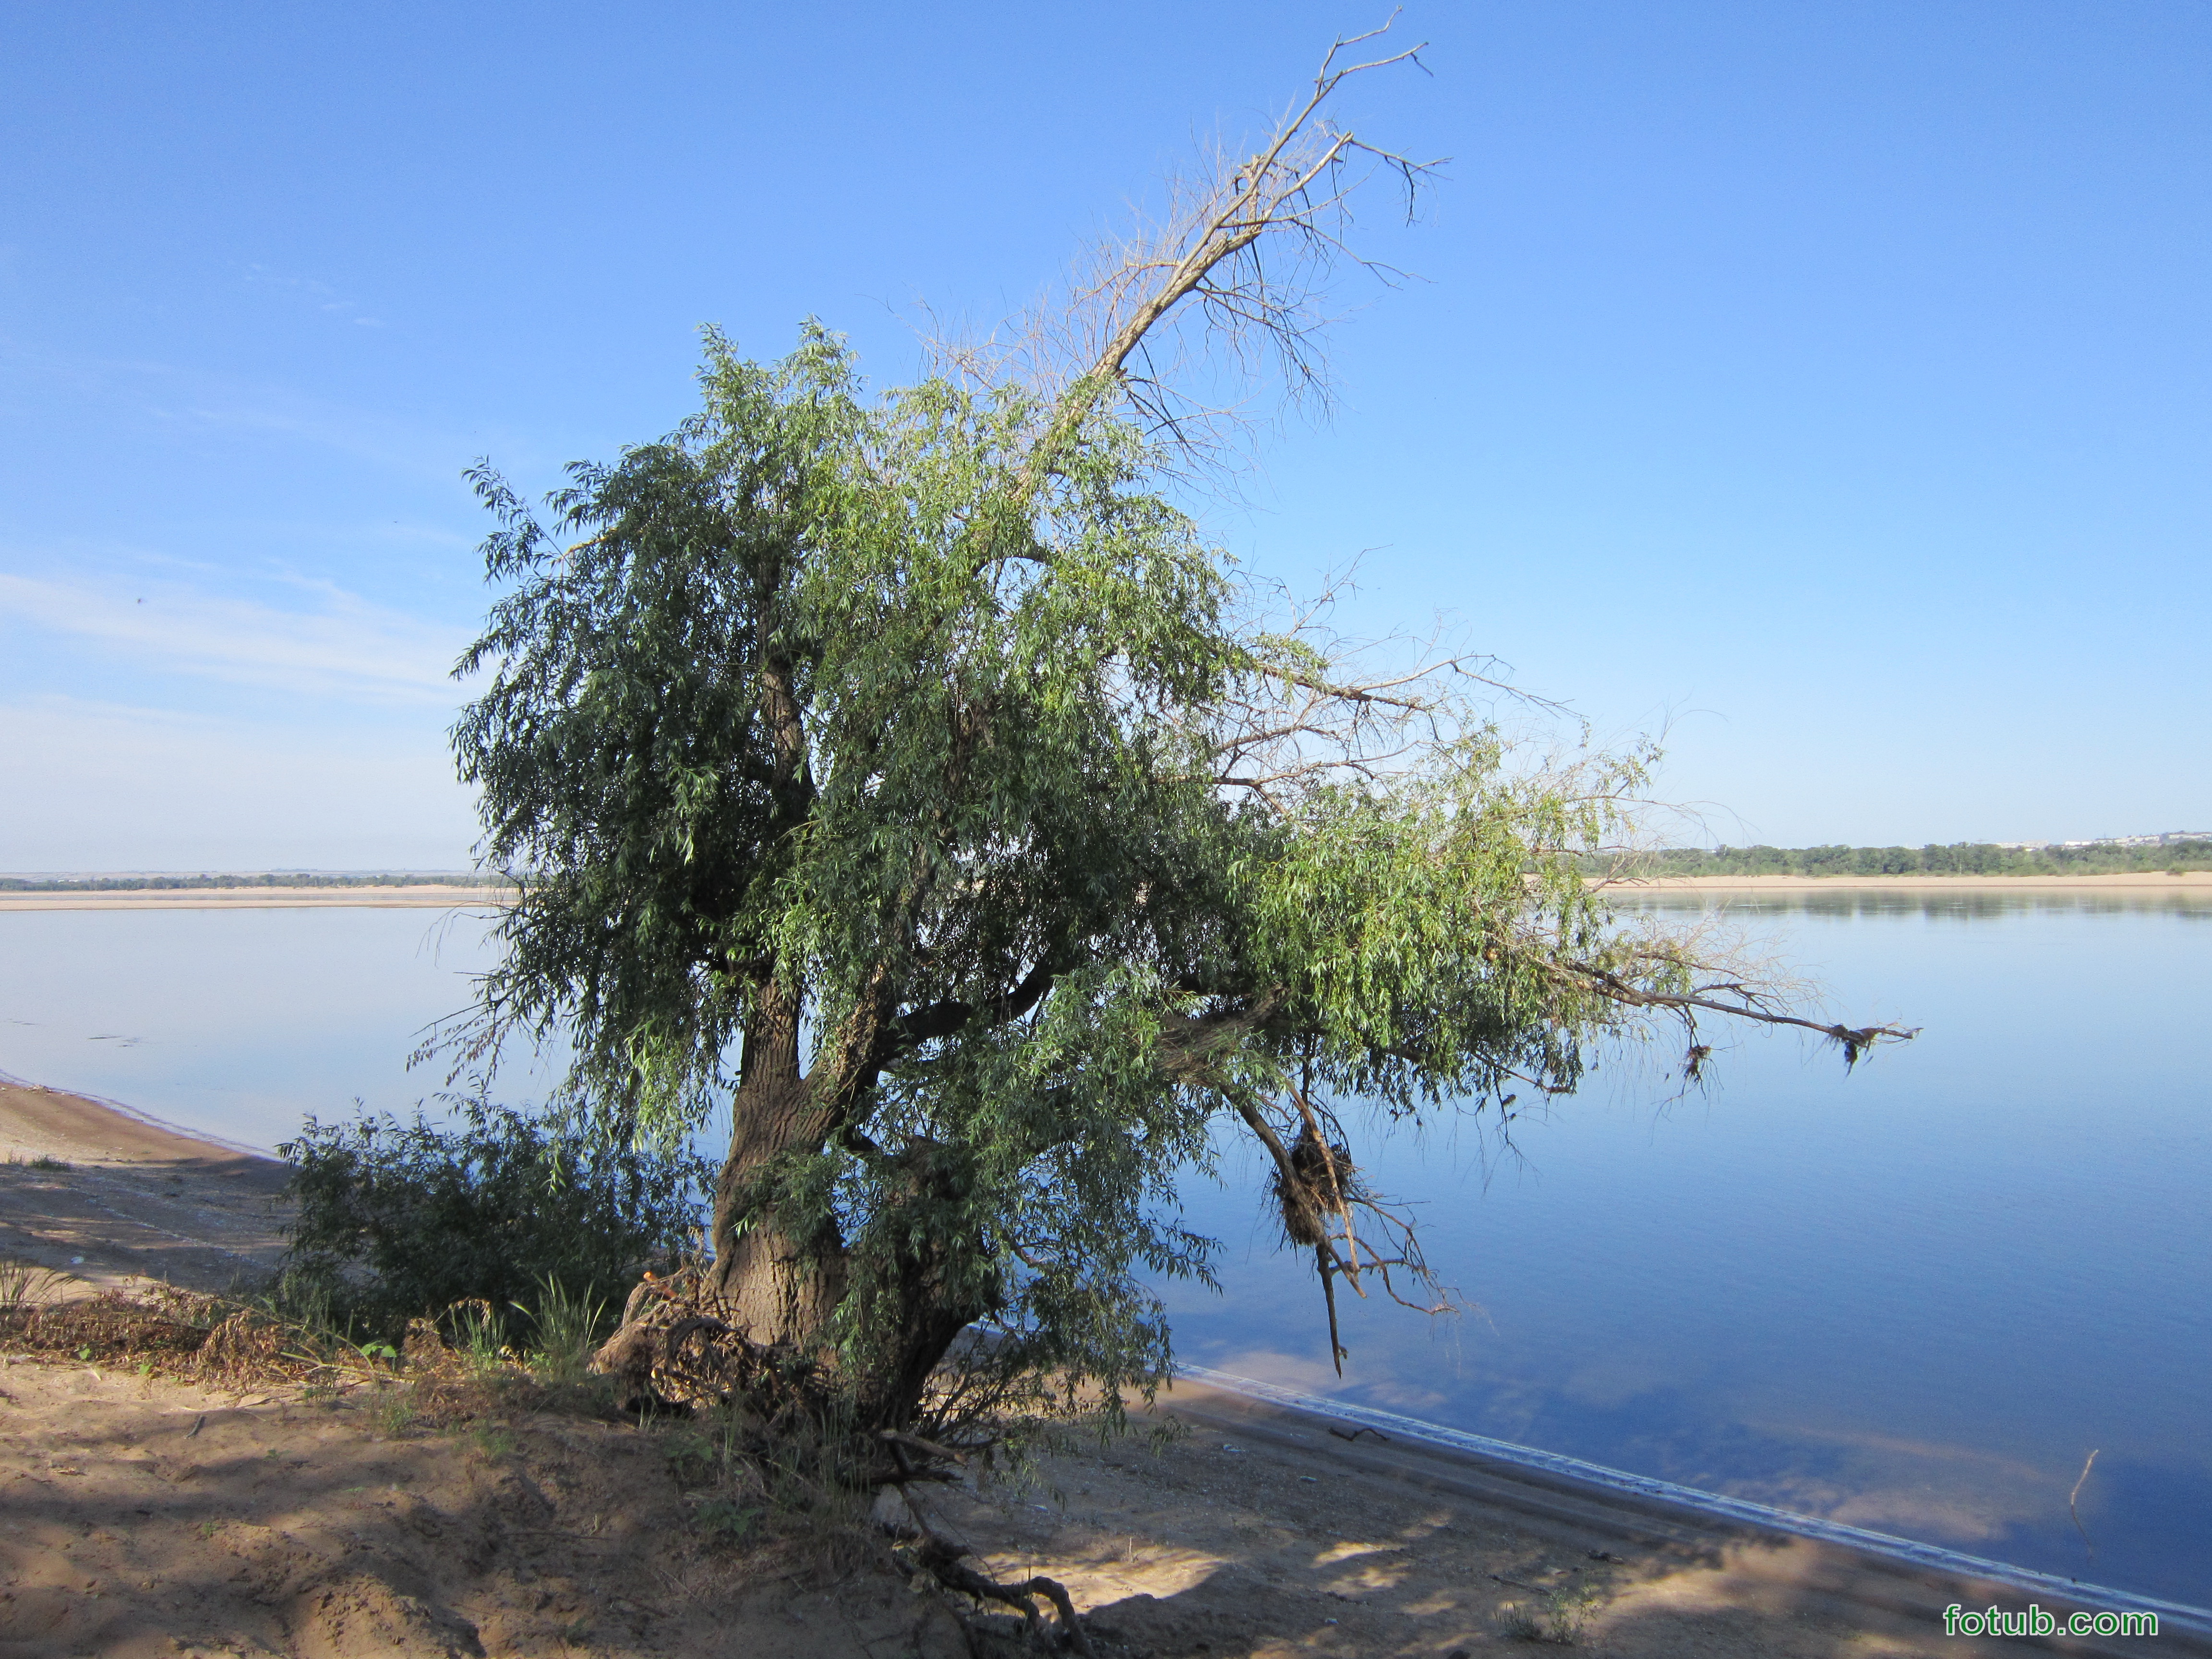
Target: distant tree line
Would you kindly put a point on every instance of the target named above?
(1958, 859)
(265, 878)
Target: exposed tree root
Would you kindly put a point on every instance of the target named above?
(944, 1561)
(675, 1349)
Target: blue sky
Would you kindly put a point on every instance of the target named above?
(1825, 383)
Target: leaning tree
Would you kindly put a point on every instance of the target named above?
(907, 775)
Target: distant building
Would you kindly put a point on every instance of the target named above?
(2165, 838)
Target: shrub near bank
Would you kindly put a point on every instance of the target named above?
(397, 1220)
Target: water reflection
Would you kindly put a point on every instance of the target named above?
(1914, 1298)
(239, 1023)
(1973, 904)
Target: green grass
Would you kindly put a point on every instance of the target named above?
(567, 1331)
(395, 1410)
(481, 1336)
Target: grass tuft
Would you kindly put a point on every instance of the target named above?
(395, 1411)
(1559, 1619)
(25, 1286)
(482, 1344)
(569, 1326)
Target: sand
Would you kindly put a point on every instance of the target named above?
(142, 1517)
(139, 1201)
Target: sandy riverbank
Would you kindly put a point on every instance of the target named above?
(145, 1516)
(262, 898)
(114, 1198)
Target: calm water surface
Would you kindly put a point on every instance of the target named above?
(1914, 1299)
(238, 1023)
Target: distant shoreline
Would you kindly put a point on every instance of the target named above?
(2193, 881)
(333, 895)
(165, 881)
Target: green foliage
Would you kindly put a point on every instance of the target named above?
(302, 1296)
(395, 1411)
(479, 1333)
(910, 777)
(400, 1220)
(694, 1458)
(725, 1521)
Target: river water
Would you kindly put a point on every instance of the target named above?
(1915, 1298)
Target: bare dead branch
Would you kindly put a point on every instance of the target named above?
(1231, 277)
(1744, 1004)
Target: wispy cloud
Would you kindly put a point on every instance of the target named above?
(342, 646)
(321, 295)
(186, 402)
(95, 786)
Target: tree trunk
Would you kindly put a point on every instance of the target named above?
(911, 1310)
(781, 1282)
(782, 1278)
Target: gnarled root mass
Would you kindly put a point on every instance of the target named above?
(677, 1347)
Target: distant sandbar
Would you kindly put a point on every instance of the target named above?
(428, 896)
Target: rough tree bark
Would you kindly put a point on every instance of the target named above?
(780, 1283)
